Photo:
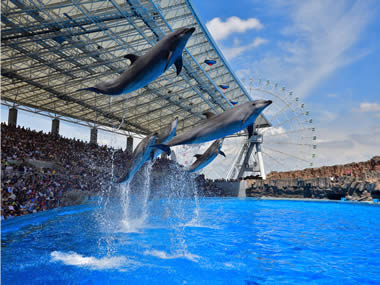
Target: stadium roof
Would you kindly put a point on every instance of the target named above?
(51, 48)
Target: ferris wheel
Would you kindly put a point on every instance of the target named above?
(288, 142)
(285, 138)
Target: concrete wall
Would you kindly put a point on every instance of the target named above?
(232, 188)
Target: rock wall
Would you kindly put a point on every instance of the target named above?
(351, 169)
(231, 188)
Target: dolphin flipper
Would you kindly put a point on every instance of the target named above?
(168, 60)
(163, 147)
(132, 57)
(197, 156)
(178, 64)
(208, 114)
(222, 153)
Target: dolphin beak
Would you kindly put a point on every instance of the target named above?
(190, 31)
(266, 103)
(262, 104)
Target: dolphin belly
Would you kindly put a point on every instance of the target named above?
(145, 76)
(209, 134)
(135, 167)
(132, 170)
(202, 164)
(142, 156)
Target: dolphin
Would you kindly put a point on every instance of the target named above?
(141, 154)
(207, 157)
(165, 135)
(218, 126)
(146, 68)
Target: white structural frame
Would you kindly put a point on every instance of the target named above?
(52, 48)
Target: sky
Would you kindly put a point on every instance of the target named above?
(326, 51)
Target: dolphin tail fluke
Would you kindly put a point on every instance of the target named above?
(92, 89)
(188, 169)
(163, 147)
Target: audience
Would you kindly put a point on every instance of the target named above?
(38, 168)
(76, 165)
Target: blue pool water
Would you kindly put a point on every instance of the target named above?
(221, 241)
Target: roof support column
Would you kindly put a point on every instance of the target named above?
(94, 135)
(129, 147)
(55, 127)
(12, 117)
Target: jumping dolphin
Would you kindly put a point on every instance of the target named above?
(146, 68)
(218, 126)
(207, 157)
(141, 154)
(164, 136)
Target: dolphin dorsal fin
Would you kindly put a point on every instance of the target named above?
(208, 114)
(222, 153)
(178, 64)
(197, 156)
(132, 57)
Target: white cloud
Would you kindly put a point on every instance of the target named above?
(273, 131)
(320, 39)
(327, 116)
(343, 148)
(369, 107)
(221, 30)
(237, 50)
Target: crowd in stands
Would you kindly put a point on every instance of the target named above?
(38, 168)
(26, 187)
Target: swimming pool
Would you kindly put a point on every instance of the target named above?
(221, 241)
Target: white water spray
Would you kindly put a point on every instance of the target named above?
(196, 213)
(146, 191)
(135, 206)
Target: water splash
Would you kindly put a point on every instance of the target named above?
(135, 206)
(195, 221)
(164, 255)
(141, 204)
(105, 215)
(146, 190)
(180, 207)
(91, 262)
